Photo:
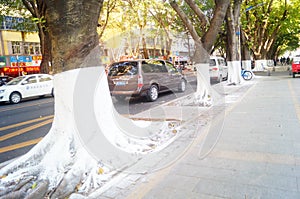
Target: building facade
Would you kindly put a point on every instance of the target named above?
(20, 50)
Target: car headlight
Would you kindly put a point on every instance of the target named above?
(2, 91)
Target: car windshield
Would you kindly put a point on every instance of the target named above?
(123, 68)
(16, 80)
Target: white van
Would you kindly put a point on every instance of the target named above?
(218, 69)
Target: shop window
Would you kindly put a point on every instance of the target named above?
(26, 48)
(16, 47)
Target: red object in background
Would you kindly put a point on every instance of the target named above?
(16, 71)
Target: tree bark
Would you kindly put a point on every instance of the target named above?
(73, 37)
(233, 43)
(203, 45)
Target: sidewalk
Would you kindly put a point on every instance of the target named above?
(246, 147)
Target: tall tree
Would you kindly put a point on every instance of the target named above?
(204, 41)
(262, 23)
(59, 164)
(233, 42)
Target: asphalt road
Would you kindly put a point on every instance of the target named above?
(25, 124)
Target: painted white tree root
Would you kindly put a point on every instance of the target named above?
(234, 73)
(61, 164)
(203, 95)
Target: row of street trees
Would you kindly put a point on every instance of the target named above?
(61, 164)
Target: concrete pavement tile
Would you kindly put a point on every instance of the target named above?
(243, 175)
(171, 193)
(176, 181)
(113, 192)
(248, 142)
(251, 166)
(238, 191)
(228, 189)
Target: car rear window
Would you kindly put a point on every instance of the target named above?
(212, 62)
(123, 68)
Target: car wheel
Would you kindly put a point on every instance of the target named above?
(182, 85)
(120, 98)
(52, 92)
(152, 94)
(15, 98)
(294, 75)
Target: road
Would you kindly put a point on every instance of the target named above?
(23, 125)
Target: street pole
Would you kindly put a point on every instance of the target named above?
(18, 65)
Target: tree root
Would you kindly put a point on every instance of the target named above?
(40, 191)
(19, 191)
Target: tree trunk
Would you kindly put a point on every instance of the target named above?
(73, 37)
(45, 43)
(233, 43)
(60, 163)
(203, 95)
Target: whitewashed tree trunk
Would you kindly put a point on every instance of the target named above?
(234, 72)
(59, 158)
(203, 94)
(260, 65)
(246, 64)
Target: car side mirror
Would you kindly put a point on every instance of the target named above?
(25, 82)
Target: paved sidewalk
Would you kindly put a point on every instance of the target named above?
(247, 147)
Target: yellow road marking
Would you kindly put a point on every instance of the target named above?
(24, 123)
(20, 145)
(23, 106)
(24, 130)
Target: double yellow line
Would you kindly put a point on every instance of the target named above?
(42, 122)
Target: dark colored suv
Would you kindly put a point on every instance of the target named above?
(144, 77)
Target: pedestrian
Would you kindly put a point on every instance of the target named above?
(288, 60)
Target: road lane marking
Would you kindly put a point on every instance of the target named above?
(20, 145)
(26, 122)
(24, 130)
(10, 108)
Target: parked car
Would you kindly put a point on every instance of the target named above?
(144, 77)
(296, 66)
(218, 69)
(26, 86)
(4, 80)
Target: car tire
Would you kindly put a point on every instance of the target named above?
(52, 92)
(294, 75)
(152, 93)
(15, 98)
(182, 85)
(120, 98)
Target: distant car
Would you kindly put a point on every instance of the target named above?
(26, 86)
(296, 66)
(144, 77)
(4, 80)
(218, 69)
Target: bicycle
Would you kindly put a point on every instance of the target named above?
(246, 74)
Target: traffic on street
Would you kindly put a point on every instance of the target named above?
(23, 125)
